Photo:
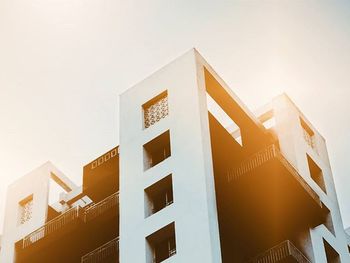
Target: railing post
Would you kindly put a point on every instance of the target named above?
(252, 162)
(51, 226)
(280, 252)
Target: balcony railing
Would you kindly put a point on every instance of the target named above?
(69, 216)
(171, 252)
(280, 252)
(252, 163)
(52, 226)
(100, 254)
(101, 207)
(263, 156)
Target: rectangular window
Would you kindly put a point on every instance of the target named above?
(221, 116)
(25, 210)
(157, 150)
(155, 109)
(159, 195)
(331, 254)
(162, 244)
(308, 133)
(329, 222)
(316, 173)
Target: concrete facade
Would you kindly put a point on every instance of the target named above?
(189, 164)
(174, 189)
(296, 146)
(35, 184)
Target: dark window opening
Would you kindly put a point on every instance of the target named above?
(157, 150)
(329, 223)
(159, 195)
(331, 254)
(164, 249)
(316, 174)
(162, 243)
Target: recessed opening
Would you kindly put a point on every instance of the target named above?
(158, 196)
(329, 222)
(157, 150)
(306, 127)
(331, 254)
(222, 117)
(161, 245)
(308, 133)
(269, 123)
(54, 192)
(316, 173)
(56, 187)
(25, 210)
(268, 119)
(155, 109)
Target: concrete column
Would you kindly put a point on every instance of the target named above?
(194, 208)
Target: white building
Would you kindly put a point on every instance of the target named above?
(196, 178)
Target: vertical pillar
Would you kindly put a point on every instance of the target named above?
(193, 210)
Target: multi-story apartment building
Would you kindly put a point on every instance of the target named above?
(196, 177)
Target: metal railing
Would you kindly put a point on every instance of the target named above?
(101, 207)
(100, 254)
(52, 226)
(264, 156)
(171, 252)
(69, 216)
(300, 179)
(279, 253)
(252, 162)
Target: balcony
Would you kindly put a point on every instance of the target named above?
(263, 196)
(53, 226)
(262, 157)
(70, 216)
(109, 252)
(283, 252)
(99, 220)
(109, 204)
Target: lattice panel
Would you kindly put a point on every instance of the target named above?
(156, 111)
(26, 210)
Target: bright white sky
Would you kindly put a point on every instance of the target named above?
(64, 62)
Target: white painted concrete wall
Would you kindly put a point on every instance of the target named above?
(194, 207)
(35, 183)
(294, 148)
